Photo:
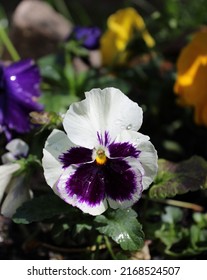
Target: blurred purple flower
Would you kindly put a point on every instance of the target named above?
(89, 36)
(19, 89)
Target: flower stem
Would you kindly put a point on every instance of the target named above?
(178, 203)
(71, 250)
(8, 44)
(108, 245)
(70, 75)
(183, 204)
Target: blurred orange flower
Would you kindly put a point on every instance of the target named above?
(121, 28)
(191, 82)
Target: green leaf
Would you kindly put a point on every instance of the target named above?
(75, 47)
(123, 227)
(81, 227)
(48, 68)
(169, 235)
(41, 208)
(195, 233)
(108, 81)
(180, 240)
(179, 178)
(200, 219)
(168, 232)
(59, 230)
(57, 102)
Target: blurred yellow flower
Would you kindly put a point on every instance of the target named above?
(191, 83)
(121, 28)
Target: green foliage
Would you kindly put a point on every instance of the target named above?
(107, 80)
(58, 77)
(179, 178)
(180, 240)
(73, 229)
(120, 225)
(193, 16)
(123, 227)
(41, 208)
(173, 18)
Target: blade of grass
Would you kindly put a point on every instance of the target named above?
(5, 38)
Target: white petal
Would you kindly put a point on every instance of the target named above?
(149, 160)
(133, 137)
(56, 144)
(107, 110)
(17, 147)
(148, 156)
(61, 186)
(138, 171)
(6, 172)
(18, 194)
(52, 169)
(8, 158)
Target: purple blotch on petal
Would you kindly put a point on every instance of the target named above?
(88, 184)
(104, 140)
(121, 181)
(76, 155)
(123, 150)
(91, 183)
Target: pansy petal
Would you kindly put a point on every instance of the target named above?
(76, 155)
(56, 144)
(83, 186)
(133, 137)
(122, 150)
(124, 182)
(6, 172)
(192, 55)
(17, 195)
(107, 110)
(25, 77)
(52, 169)
(16, 118)
(88, 36)
(20, 87)
(18, 147)
(8, 158)
(147, 157)
(23, 85)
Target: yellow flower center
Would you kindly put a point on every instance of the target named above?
(100, 157)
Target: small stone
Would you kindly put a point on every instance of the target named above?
(37, 29)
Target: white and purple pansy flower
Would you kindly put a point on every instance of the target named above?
(19, 90)
(102, 160)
